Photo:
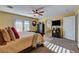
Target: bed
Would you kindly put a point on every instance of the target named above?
(26, 40)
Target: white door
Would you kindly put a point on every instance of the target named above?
(69, 27)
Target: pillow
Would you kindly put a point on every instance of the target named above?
(12, 36)
(2, 41)
(5, 35)
(15, 32)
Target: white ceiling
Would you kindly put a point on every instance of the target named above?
(50, 10)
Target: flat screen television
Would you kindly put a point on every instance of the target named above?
(56, 23)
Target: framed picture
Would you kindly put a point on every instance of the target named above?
(34, 23)
(49, 24)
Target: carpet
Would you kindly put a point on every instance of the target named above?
(56, 48)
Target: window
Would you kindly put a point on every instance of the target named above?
(22, 26)
(26, 25)
(18, 26)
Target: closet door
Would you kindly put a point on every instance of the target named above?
(69, 27)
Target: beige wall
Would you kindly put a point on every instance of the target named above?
(7, 19)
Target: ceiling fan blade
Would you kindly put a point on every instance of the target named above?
(39, 8)
(41, 12)
(34, 11)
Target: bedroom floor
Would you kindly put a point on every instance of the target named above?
(41, 50)
(64, 44)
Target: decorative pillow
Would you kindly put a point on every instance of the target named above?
(2, 41)
(12, 36)
(15, 32)
(5, 35)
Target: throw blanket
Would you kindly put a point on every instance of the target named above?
(37, 39)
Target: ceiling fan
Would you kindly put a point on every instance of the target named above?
(38, 11)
